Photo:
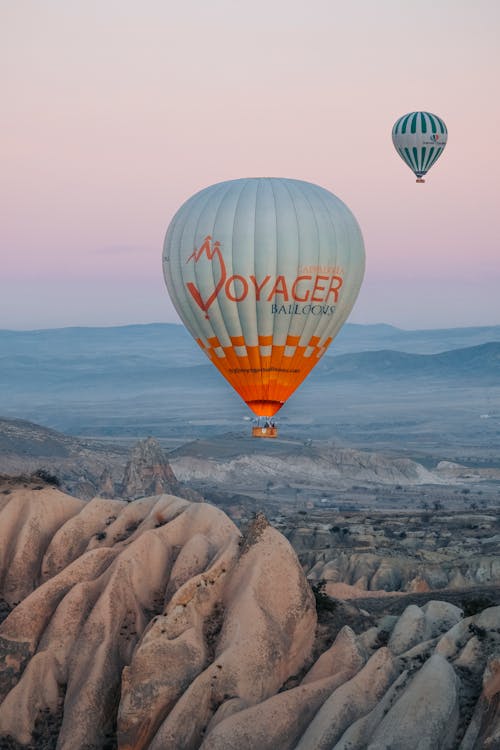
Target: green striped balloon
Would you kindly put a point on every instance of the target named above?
(419, 138)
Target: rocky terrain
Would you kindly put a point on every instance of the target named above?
(86, 468)
(311, 465)
(342, 510)
(288, 474)
(156, 623)
(272, 475)
(359, 553)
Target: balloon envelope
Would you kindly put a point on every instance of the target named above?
(419, 138)
(263, 272)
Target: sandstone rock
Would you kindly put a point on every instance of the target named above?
(386, 577)
(266, 635)
(282, 719)
(176, 647)
(426, 715)
(86, 468)
(344, 655)
(359, 734)
(331, 464)
(471, 656)
(488, 618)
(277, 722)
(483, 731)
(73, 537)
(106, 486)
(455, 639)
(418, 584)
(409, 630)
(21, 554)
(440, 617)
(420, 652)
(20, 706)
(148, 472)
(349, 702)
(369, 640)
(458, 581)
(80, 627)
(63, 598)
(159, 617)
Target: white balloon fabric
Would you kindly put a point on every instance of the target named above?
(264, 272)
(419, 138)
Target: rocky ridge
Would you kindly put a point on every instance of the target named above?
(155, 623)
(341, 466)
(86, 468)
(399, 552)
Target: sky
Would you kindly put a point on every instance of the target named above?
(115, 112)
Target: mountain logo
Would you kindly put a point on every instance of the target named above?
(312, 286)
(211, 250)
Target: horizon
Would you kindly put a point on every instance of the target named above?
(181, 325)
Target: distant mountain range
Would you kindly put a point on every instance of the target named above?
(130, 358)
(359, 338)
(173, 346)
(480, 362)
(147, 379)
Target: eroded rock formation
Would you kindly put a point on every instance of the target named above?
(366, 552)
(155, 624)
(341, 466)
(148, 472)
(88, 467)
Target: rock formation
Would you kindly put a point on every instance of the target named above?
(148, 472)
(86, 467)
(156, 624)
(377, 552)
(330, 464)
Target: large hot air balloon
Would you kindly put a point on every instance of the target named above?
(419, 138)
(264, 272)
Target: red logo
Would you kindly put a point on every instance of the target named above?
(211, 251)
(315, 285)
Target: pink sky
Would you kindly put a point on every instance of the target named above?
(114, 113)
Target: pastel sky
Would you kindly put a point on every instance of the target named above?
(115, 112)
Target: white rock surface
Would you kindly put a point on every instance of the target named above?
(426, 716)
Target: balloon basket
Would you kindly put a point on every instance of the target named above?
(419, 179)
(264, 432)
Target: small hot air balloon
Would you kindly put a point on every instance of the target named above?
(263, 272)
(419, 138)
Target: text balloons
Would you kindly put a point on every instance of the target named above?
(419, 138)
(263, 272)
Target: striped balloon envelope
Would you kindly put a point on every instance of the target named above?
(419, 138)
(263, 272)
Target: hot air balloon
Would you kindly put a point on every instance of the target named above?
(263, 272)
(419, 138)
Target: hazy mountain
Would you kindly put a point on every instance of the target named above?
(129, 359)
(171, 345)
(153, 380)
(142, 340)
(358, 338)
(479, 362)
